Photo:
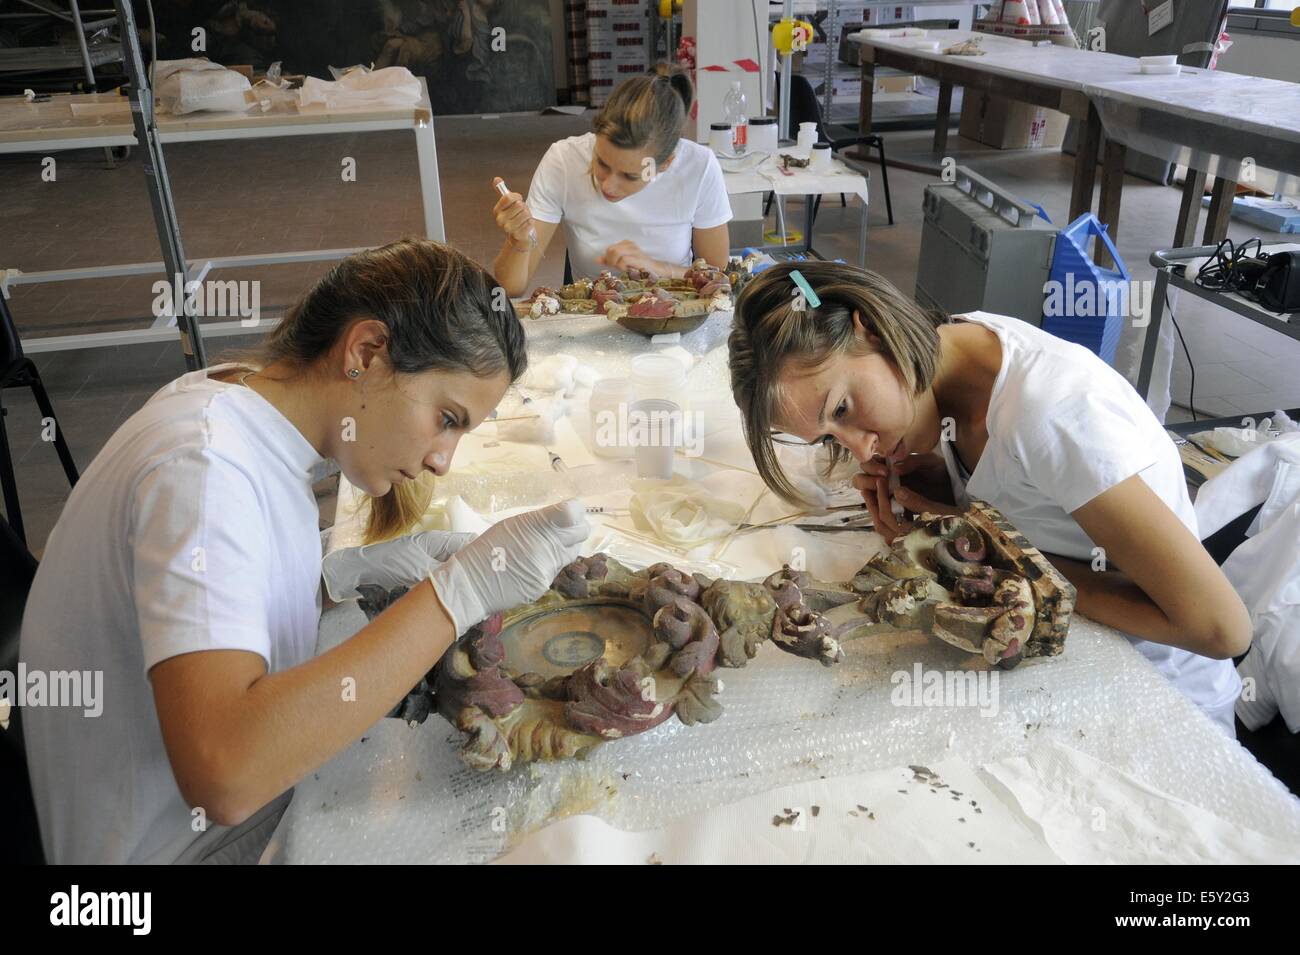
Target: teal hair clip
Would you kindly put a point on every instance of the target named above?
(807, 289)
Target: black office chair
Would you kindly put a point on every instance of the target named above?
(20, 838)
(18, 371)
(804, 108)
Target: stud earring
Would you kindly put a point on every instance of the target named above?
(354, 372)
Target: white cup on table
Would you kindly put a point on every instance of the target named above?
(655, 432)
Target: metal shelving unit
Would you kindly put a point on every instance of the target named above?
(23, 60)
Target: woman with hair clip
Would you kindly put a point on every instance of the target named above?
(936, 409)
(186, 565)
(631, 194)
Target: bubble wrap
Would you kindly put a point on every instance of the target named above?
(402, 795)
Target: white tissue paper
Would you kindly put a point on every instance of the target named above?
(389, 87)
(683, 513)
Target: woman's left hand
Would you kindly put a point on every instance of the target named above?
(402, 562)
(628, 255)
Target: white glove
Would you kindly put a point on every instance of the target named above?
(402, 562)
(511, 563)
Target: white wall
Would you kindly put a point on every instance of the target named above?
(724, 31)
(1258, 55)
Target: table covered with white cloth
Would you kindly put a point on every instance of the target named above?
(1090, 756)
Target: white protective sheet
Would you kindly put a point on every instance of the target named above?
(1054, 805)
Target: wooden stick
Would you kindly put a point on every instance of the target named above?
(721, 464)
(717, 554)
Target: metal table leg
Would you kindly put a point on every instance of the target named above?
(1152, 339)
(430, 187)
(862, 237)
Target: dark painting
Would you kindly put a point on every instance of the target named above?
(479, 56)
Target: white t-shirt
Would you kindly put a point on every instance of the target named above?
(689, 194)
(195, 528)
(1064, 427)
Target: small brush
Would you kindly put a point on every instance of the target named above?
(501, 188)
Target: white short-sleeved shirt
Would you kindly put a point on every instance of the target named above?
(1064, 427)
(195, 528)
(689, 194)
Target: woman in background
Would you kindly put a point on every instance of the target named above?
(631, 194)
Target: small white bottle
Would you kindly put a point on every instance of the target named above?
(735, 114)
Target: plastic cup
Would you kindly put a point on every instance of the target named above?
(655, 430)
(609, 402)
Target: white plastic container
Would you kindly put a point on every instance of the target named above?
(1160, 65)
(820, 158)
(762, 134)
(720, 138)
(611, 399)
(657, 376)
(807, 135)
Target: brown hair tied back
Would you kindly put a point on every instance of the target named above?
(648, 112)
(442, 312)
(776, 330)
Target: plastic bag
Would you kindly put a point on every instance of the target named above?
(191, 86)
(391, 86)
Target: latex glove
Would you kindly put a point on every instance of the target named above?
(401, 562)
(513, 562)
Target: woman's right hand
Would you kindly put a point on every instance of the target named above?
(514, 218)
(927, 474)
(513, 562)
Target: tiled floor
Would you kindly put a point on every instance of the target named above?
(252, 196)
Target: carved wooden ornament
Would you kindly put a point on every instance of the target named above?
(609, 652)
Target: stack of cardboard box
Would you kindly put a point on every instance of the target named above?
(618, 44)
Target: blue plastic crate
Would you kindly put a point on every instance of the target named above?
(1074, 269)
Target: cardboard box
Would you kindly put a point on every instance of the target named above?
(602, 37)
(616, 10)
(895, 84)
(1007, 124)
